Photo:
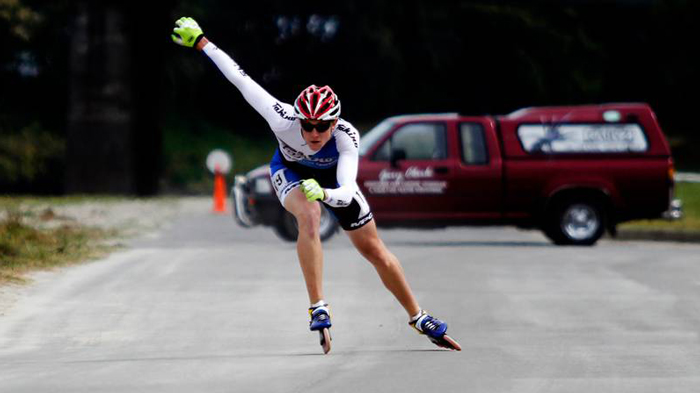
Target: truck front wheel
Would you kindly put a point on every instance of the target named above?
(579, 222)
(286, 226)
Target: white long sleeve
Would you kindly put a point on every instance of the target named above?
(275, 113)
(347, 141)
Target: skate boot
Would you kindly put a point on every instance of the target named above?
(435, 330)
(321, 322)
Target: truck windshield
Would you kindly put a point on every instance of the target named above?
(372, 136)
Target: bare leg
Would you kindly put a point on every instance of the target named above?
(309, 251)
(368, 243)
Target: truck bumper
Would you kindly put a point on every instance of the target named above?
(675, 210)
(239, 195)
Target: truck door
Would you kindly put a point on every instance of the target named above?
(477, 182)
(408, 175)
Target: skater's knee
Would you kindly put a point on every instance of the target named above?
(308, 219)
(377, 254)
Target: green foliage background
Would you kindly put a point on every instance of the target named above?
(473, 57)
(186, 146)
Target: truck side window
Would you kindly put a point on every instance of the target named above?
(473, 145)
(420, 141)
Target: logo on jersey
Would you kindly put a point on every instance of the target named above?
(240, 70)
(283, 114)
(362, 221)
(351, 133)
(294, 155)
(290, 153)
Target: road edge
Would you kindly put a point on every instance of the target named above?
(658, 235)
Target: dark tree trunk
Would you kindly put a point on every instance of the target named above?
(114, 134)
(151, 25)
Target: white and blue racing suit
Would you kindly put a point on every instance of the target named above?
(334, 166)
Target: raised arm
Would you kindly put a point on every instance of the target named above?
(278, 115)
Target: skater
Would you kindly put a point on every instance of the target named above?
(317, 161)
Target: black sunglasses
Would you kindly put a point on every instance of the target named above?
(322, 126)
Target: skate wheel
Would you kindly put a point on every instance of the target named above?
(452, 343)
(325, 336)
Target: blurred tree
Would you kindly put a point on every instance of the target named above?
(105, 77)
(114, 108)
(100, 154)
(31, 100)
(470, 56)
(20, 18)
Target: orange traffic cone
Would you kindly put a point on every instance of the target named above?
(219, 193)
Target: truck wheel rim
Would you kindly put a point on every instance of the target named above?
(580, 222)
(326, 221)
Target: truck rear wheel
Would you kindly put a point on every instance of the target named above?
(579, 222)
(286, 228)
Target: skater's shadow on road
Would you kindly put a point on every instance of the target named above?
(395, 350)
(238, 356)
(342, 352)
(448, 243)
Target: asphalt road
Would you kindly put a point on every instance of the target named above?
(208, 307)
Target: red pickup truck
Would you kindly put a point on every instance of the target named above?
(571, 171)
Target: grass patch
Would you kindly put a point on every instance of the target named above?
(185, 152)
(13, 202)
(689, 194)
(25, 247)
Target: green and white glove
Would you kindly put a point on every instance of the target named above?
(312, 190)
(187, 33)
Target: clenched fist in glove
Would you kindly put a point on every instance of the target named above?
(312, 190)
(187, 33)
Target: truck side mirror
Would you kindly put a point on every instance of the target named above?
(396, 156)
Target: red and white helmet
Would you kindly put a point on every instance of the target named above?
(317, 103)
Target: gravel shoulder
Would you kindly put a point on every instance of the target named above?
(130, 219)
